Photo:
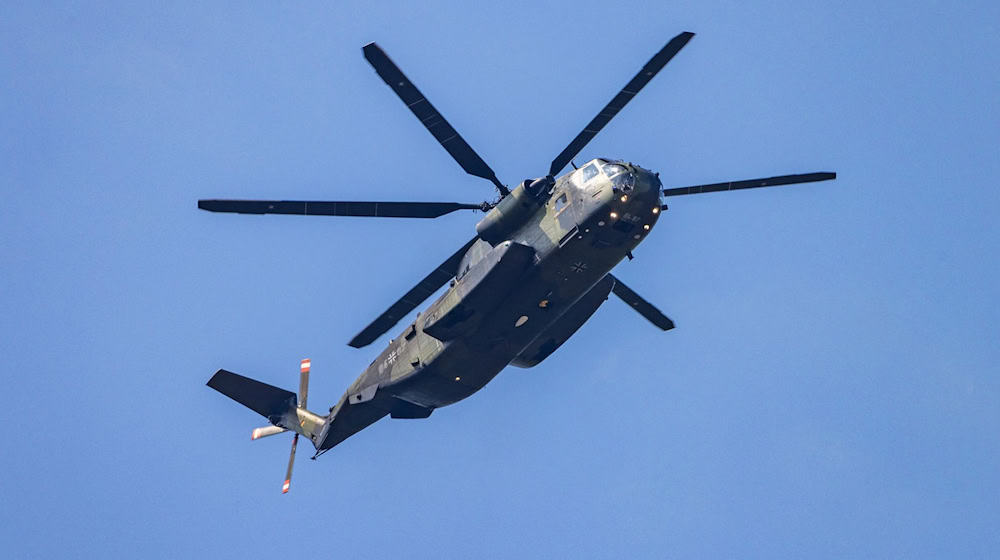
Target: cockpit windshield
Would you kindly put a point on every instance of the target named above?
(620, 176)
(624, 182)
(612, 169)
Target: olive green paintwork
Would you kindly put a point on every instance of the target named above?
(536, 271)
(576, 233)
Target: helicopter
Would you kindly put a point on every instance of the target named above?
(536, 270)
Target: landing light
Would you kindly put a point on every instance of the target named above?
(624, 197)
(646, 227)
(656, 209)
(458, 379)
(614, 215)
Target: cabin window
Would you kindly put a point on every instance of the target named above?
(589, 172)
(561, 201)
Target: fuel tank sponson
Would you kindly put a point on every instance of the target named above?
(479, 291)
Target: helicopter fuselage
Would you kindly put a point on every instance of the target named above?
(537, 269)
(513, 301)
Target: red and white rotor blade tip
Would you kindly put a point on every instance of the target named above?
(291, 462)
(304, 381)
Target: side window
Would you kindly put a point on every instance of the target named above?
(589, 172)
(561, 202)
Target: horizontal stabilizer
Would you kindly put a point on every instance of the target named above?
(267, 400)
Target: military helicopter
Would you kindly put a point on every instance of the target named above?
(538, 267)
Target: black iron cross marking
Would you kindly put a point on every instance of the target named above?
(578, 267)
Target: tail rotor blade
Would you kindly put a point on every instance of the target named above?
(266, 431)
(304, 381)
(291, 463)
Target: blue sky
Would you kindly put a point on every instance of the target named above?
(831, 389)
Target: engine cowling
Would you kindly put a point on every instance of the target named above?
(514, 210)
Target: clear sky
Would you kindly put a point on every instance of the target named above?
(831, 389)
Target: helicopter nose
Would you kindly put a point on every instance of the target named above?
(641, 187)
(635, 207)
(647, 182)
(638, 182)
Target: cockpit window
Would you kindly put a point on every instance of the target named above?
(624, 182)
(588, 172)
(612, 169)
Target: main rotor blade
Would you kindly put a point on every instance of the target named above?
(644, 308)
(337, 208)
(430, 117)
(647, 73)
(291, 463)
(430, 284)
(752, 183)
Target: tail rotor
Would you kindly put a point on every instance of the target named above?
(303, 394)
(285, 410)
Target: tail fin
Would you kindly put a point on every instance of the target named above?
(267, 400)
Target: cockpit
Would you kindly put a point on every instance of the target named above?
(621, 178)
(611, 169)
